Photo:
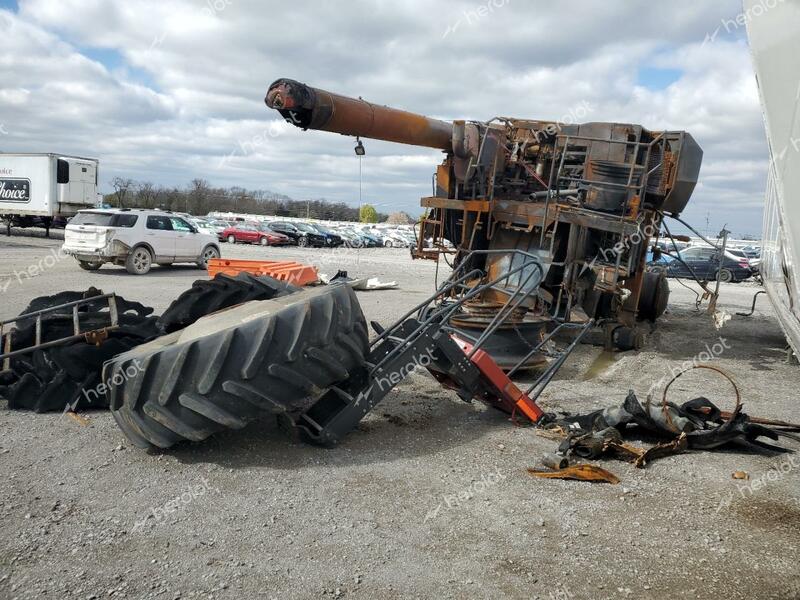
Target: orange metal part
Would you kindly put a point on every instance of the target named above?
(509, 395)
(282, 270)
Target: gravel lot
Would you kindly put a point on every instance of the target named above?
(428, 499)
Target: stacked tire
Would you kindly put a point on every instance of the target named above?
(68, 376)
(207, 296)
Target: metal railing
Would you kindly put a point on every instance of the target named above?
(6, 333)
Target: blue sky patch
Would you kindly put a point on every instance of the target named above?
(109, 57)
(116, 64)
(655, 78)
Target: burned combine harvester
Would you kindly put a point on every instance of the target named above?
(586, 199)
(550, 223)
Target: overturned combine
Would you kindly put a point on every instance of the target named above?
(586, 199)
(550, 222)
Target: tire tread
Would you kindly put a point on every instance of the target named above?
(277, 363)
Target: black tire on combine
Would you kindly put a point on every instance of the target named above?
(265, 357)
(654, 296)
(210, 295)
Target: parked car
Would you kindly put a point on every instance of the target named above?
(327, 240)
(672, 247)
(410, 238)
(302, 237)
(137, 239)
(657, 265)
(751, 260)
(248, 233)
(370, 241)
(395, 239)
(705, 263)
(332, 239)
(275, 238)
(377, 235)
(200, 223)
(350, 238)
(219, 226)
(752, 251)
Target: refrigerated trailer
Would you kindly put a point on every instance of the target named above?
(35, 189)
(774, 34)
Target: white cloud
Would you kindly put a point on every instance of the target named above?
(211, 62)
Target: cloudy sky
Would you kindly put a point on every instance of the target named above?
(170, 90)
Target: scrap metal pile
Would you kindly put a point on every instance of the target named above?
(694, 425)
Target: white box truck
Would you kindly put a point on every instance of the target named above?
(35, 189)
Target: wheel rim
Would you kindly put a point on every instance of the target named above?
(303, 241)
(209, 254)
(725, 276)
(141, 259)
(231, 239)
(264, 241)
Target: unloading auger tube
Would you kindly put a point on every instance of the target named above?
(313, 108)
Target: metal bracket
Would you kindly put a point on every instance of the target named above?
(93, 336)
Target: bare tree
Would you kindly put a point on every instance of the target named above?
(146, 195)
(399, 218)
(197, 198)
(121, 187)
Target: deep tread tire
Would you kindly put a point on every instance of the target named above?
(208, 296)
(263, 357)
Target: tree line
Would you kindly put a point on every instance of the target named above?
(199, 198)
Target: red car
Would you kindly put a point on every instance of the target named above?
(250, 234)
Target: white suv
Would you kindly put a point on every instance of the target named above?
(136, 238)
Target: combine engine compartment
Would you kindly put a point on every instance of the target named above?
(587, 199)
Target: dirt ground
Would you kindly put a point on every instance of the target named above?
(428, 499)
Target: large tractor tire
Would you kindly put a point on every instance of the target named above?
(210, 295)
(227, 369)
